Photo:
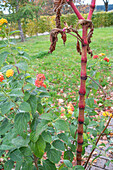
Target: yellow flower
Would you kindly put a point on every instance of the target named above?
(70, 111)
(9, 73)
(2, 21)
(107, 114)
(101, 54)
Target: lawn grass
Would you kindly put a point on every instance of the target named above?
(62, 67)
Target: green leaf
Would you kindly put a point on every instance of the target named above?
(73, 129)
(26, 96)
(107, 163)
(26, 151)
(38, 147)
(13, 32)
(5, 68)
(6, 107)
(54, 155)
(28, 87)
(3, 55)
(5, 126)
(9, 165)
(16, 92)
(39, 129)
(48, 146)
(20, 121)
(58, 144)
(22, 66)
(47, 116)
(7, 146)
(25, 107)
(27, 165)
(47, 136)
(79, 167)
(48, 165)
(109, 148)
(40, 108)
(44, 94)
(20, 142)
(16, 155)
(18, 165)
(68, 155)
(1, 47)
(92, 131)
(63, 137)
(67, 163)
(33, 103)
(61, 125)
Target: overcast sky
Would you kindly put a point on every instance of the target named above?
(98, 2)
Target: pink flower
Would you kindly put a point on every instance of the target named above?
(95, 56)
(64, 30)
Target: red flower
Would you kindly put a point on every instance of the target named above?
(38, 83)
(44, 85)
(41, 76)
(106, 59)
(1, 77)
(95, 102)
(95, 56)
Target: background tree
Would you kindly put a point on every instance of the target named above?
(20, 11)
(37, 7)
(106, 4)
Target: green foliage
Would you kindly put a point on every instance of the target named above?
(31, 125)
(46, 23)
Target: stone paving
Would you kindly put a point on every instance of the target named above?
(100, 163)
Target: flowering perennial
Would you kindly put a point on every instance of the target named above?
(95, 56)
(106, 59)
(101, 54)
(105, 114)
(9, 73)
(2, 21)
(70, 108)
(1, 77)
(39, 82)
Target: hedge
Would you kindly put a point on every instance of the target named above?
(46, 23)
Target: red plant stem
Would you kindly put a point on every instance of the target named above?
(35, 161)
(92, 7)
(75, 9)
(82, 93)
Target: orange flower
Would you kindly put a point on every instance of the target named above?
(95, 102)
(9, 73)
(70, 108)
(1, 77)
(38, 83)
(44, 85)
(95, 56)
(106, 59)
